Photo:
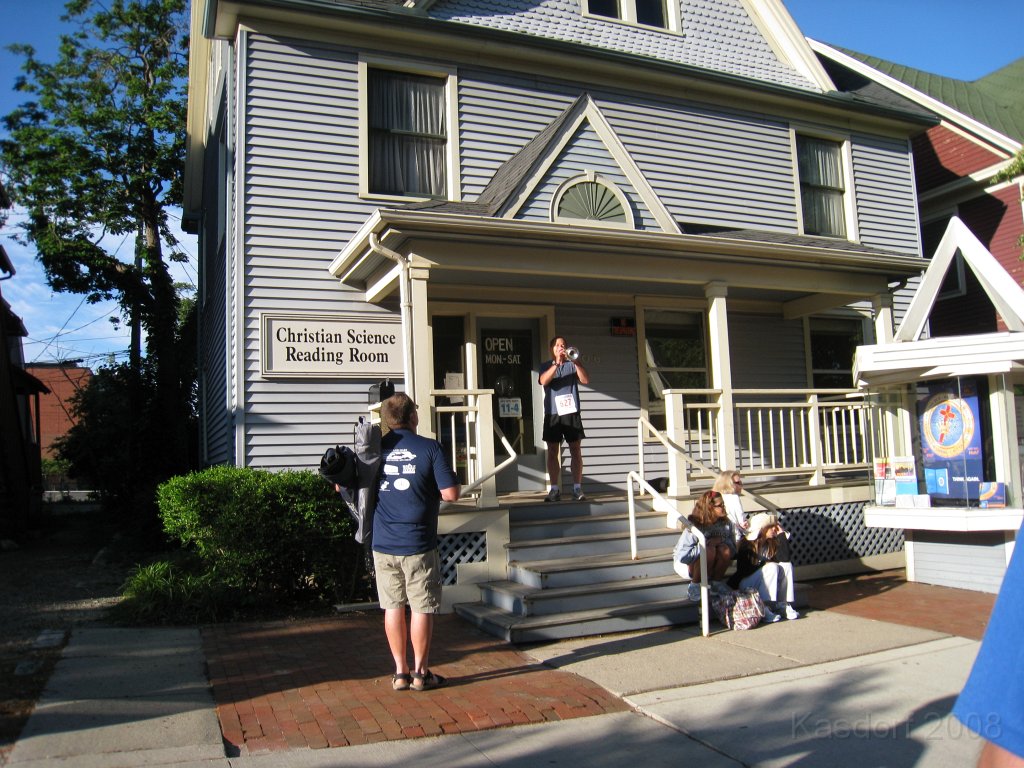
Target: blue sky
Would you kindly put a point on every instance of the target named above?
(955, 38)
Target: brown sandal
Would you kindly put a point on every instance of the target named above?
(401, 682)
(426, 680)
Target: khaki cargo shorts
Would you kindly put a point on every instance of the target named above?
(409, 579)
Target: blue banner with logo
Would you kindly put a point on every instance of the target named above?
(951, 440)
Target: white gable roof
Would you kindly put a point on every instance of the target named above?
(586, 111)
(1005, 294)
(909, 358)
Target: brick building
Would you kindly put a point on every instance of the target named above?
(63, 380)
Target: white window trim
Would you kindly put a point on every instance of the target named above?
(696, 306)
(867, 333)
(453, 180)
(849, 196)
(672, 17)
(592, 176)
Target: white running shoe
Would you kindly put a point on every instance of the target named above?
(769, 617)
(791, 614)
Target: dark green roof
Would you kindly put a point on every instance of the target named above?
(997, 100)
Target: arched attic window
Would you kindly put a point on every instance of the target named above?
(591, 200)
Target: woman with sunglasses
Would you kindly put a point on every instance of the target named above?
(730, 485)
(709, 516)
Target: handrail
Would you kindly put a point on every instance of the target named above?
(671, 445)
(631, 477)
(512, 456)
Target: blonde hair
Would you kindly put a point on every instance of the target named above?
(724, 483)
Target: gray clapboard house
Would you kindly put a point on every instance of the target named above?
(427, 191)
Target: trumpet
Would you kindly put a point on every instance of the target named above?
(572, 353)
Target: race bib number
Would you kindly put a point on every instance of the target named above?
(565, 404)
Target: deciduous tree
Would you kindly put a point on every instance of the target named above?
(95, 158)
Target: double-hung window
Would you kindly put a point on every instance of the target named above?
(650, 13)
(407, 134)
(833, 344)
(822, 186)
(673, 355)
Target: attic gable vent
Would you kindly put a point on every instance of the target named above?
(592, 200)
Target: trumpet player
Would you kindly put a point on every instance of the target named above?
(561, 378)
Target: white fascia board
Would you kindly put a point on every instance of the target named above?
(786, 39)
(955, 519)
(356, 247)
(982, 131)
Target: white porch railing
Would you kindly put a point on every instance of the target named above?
(467, 427)
(776, 432)
(673, 520)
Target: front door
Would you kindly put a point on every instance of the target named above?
(509, 355)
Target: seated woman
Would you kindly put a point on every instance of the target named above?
(763, 563)
(730, 485)
(710, 518)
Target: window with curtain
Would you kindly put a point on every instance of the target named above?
(822, 190)
(407, 134)
(648, 12)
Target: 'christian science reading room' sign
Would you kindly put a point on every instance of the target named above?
(331, 345)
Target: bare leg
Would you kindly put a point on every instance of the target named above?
(722, 560)
(993, 756)
(576, 462)
(555, 464)
(713, 564)
(421, 630)
(394, 628)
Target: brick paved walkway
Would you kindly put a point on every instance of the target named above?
(327, 683)
(888, 596)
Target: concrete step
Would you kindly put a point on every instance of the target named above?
(592, 544)
(535, 629)
(514, 628)
(602, 504)
(583, 525)
(522, 600)
(592, 569)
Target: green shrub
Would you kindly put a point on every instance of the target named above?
(258, 538)
(178, 591)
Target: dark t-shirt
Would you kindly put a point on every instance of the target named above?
(565, 382)
(413, 472)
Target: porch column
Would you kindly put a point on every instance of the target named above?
(881, 306)
(1004, 437)
(721, 372)
(895, 426)
(422, 360)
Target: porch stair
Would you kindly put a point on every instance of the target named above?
(570, 574)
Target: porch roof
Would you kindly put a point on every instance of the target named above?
(943, 357)
(464, 246)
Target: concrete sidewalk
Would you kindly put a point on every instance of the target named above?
(828, 690)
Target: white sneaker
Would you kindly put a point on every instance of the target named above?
(769, 617)
(791, 614)
(693, 592)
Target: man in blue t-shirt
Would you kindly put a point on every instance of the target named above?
(561, 378)
(415, 476)
(992, 702)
